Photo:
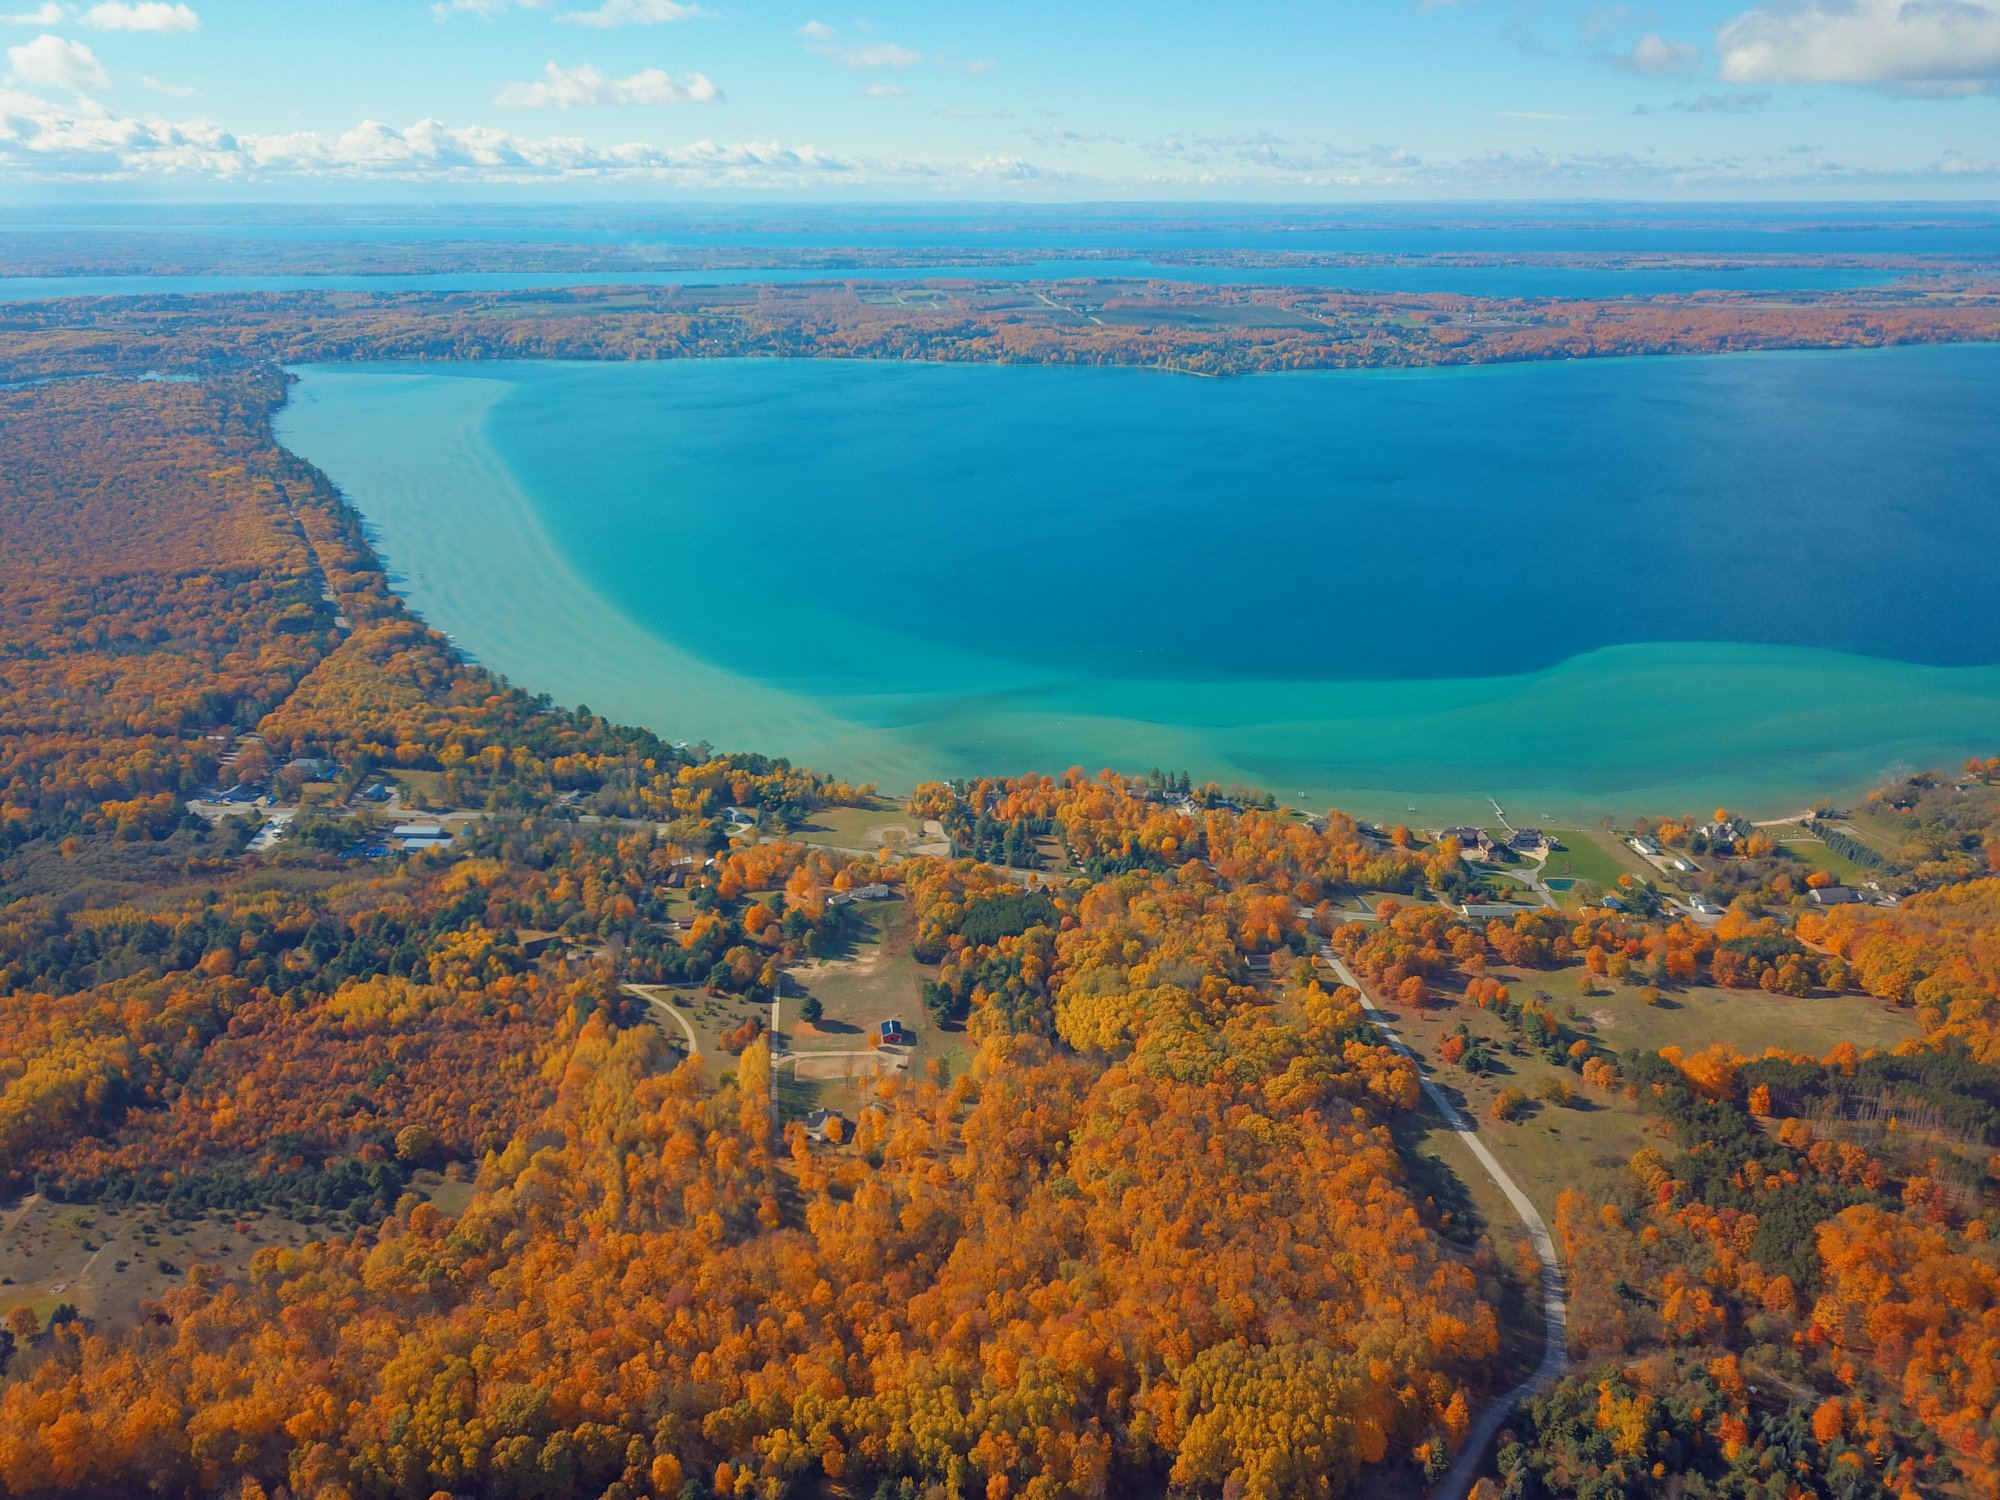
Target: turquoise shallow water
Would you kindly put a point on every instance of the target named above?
(1614, 586)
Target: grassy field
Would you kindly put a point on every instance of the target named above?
(1589, 856)
(105, 1262)
(422, 788)
(1814, 855)
(1871, 829)
(1750, 1019)
(831, 1064)
(1588, 1143)
(1551, 1147)
(712, 1017)
(882, 824)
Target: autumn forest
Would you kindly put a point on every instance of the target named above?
(474, 1162)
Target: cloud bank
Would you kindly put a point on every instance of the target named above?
(584, 86)
(1911, 46)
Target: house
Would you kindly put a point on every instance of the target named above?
(417, 831)
(1487, 911)
(820, 1123)
(1645, 844)
(891, 1034)
(739, 815)
(1530, 841)
(1721, 837)
(1473, 843)
(1612, 903)
(1702, 907)
(311, 767)
(875, 892)
(1832, 895)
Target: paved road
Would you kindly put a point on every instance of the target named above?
(694, 1047)
(1555, 1306)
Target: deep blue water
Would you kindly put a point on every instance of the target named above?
(1583, 588)
(1415, 525)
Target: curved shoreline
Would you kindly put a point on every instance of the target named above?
(1443, 746)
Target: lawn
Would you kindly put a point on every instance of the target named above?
(1814, 855)
(881, 824)
(712, 1017)
(1878, 832)
(421, 788)
(874, 980)
(1585, 856)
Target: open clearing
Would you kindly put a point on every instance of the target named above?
(831, 1065)
(1587, 856)
(1589, 1142)
(881, 825)
(106, 1262)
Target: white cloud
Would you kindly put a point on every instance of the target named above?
(1919, 46)
(50, 14)
(634, 13)
(886, 91)
(51, 62)
(1656, 57)
(55, 142)
(878, 55)
(584, 86)
(1006, 168)
(824, 41)
(171, 90)
(153, 15)
(485, 10)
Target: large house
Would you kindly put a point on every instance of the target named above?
(1473, 843)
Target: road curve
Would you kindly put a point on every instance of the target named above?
(1458, 1482)
(694, 1047)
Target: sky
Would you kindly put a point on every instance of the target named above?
(1050, 100)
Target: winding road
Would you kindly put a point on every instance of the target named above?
(694, 1047)
(1458, 1482)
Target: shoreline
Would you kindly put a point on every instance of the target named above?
(1349, 745)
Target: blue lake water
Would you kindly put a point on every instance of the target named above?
(1471, 280)
(1620, 585)
(1954, 229)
